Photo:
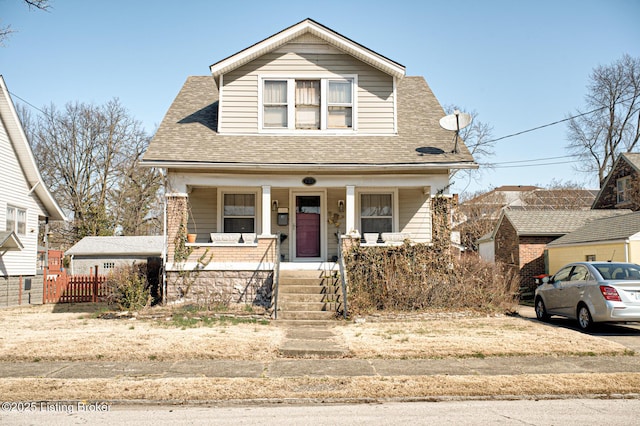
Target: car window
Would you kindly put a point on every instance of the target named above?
(580, 273)
(617, 271)
(563, 274)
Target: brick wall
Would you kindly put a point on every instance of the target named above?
(531, 259)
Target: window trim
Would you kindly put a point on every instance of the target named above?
(395, 218)
(291, 100)
(257, 223)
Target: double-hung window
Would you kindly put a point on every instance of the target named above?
(239, 213)
(376, 213)
(308, 104)
(16, 220)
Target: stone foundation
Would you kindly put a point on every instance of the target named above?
(208, 288)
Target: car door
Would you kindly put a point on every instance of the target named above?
(572, 290)
(554, 291)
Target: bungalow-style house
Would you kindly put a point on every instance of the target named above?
(621, 188)
(521, 236)
(24, 201)
(293, 146)
(615, 239)
(108, 253)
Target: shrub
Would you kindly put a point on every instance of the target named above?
(417, 277)
(128, 287)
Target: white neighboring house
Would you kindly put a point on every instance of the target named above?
(112, 252)
(24, 200)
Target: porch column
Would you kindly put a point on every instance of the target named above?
(350, 209)
(266, 210)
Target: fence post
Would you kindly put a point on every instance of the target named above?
(95, 286)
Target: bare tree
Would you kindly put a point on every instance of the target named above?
(478, 139)
(612, 124)
(33, 4)
(88, 156)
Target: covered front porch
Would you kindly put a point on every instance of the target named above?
(245, 225)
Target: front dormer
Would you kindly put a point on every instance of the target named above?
(307, 80)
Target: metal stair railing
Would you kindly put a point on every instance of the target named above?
(276, 278)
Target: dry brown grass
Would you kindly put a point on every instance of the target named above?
(210, 389)
(470, 337)
(72, 332)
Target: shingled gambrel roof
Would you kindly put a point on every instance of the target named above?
(188, 137)
(614, 228)
(553, 222)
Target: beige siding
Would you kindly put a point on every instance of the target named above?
(203, 205)
(634, 252)
(560, 256)
(415, 214)
(375, 96)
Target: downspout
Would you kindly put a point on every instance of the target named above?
(164, 253)
(627, 243)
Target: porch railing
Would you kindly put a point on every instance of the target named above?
(343, 279)
(276, 278)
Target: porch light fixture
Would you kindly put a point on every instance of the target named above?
(274, 205)
(341, 206)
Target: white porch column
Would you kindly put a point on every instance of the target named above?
(266, 210)
(350, 209)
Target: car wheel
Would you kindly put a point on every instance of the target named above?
(585, 322)
(541, 310)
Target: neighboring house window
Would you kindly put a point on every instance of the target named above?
(16, 220)
(109, 265)
(239, 213)
(590, 258)
(307, 104)
(622, 189)
(376, 213)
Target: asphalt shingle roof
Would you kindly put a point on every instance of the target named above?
(554, 222)
(188, 133)
(605, 229)
(131, 245)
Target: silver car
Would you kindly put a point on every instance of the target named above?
(591, 292)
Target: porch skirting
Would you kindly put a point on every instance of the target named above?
(212, 287)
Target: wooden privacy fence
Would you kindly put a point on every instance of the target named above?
(63, 288)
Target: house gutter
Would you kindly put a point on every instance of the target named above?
(308, 166)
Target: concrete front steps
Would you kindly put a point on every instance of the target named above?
(308, 295)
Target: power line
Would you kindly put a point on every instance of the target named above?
(526, 161)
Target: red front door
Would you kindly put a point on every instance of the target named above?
(308, 226)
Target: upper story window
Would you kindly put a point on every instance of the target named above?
(622, 189)
(307, 104)
(16, 220)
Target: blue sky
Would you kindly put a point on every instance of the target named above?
(518, 64)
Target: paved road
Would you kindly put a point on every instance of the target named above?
(566, 412)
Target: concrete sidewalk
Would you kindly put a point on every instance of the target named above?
(346, 367)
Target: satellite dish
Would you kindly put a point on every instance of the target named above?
(455, 122)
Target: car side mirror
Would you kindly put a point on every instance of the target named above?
(547, 280)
